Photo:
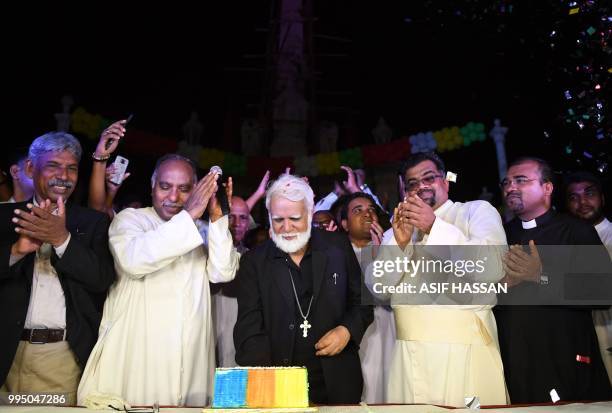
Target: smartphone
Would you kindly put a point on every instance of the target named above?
(110, 141)
(121, 165)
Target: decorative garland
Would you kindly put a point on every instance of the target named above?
(446, 139)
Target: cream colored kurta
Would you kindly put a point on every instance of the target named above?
(155, 340)
(376, 347)
(444, 353)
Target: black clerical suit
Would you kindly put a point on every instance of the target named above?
(268, 333)
(85, 272)
(550, 346)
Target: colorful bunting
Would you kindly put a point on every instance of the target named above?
(447, 139)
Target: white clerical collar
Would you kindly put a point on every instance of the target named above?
(529, 224)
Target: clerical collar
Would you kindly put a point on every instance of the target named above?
(529, 224)
(541, 220)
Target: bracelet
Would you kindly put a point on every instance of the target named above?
(99, 158)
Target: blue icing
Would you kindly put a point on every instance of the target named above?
(230, 388)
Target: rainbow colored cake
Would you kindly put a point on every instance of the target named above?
(260, 387)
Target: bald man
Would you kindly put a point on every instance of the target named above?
(225, 306)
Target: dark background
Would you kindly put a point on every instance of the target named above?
(421, 66)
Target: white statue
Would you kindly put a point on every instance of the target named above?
(63, 118)
(250, 134)
(382, 132)
(192, 129)
(328, 136)
(498, 133)
(290, 115)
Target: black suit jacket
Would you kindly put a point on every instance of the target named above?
(264, 334)
(85, 272)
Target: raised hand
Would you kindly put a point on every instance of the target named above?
(419, 214)
(351, 183)
(111, 187)
(376, 232)
(331, 226)
(200, 195)
(402, 229)
(261, 189)
(522, 266)
(214, 206)
(41, 224)
(110, 135)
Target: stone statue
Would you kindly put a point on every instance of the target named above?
(328, 136)
(63, 118)
(250, 134)
(382, 132)
(193, 129)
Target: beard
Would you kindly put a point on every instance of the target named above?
(514, 201)
(293, 245)
(431, 201)
(592, 216)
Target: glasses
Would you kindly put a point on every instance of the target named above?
(154, 409)
(413, 184)
(518, 181)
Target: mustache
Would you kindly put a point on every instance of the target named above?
(422, 191)
(168, 204)
(60, 182)
(513, 193)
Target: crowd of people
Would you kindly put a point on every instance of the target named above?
(140, 304)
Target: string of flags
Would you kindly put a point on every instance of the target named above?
(144, 143)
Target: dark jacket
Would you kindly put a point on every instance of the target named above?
(264, 334)
(85, 272)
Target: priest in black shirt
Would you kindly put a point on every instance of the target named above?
(550, 351)
(299, 299)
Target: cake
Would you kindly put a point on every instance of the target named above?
(260, 387)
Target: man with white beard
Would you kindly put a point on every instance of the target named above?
(299, 299)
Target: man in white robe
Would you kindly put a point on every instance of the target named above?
(359, 219)
(443, 353)
(155, 342)
(224, 302)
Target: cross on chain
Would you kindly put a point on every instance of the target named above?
(305, 326)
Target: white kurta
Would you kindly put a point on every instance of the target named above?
(376, 348)
(155, 340)
(444, 353)
(603, 318)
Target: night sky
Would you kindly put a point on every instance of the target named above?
(421, 66)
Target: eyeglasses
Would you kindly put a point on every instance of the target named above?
(413, 184)
(518, 181)
(154, 409)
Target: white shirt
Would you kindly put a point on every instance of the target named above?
(604, 229)
(47, 308)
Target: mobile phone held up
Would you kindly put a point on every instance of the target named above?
(120, 165)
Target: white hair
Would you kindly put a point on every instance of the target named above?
(55, 142)
(294, 189)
